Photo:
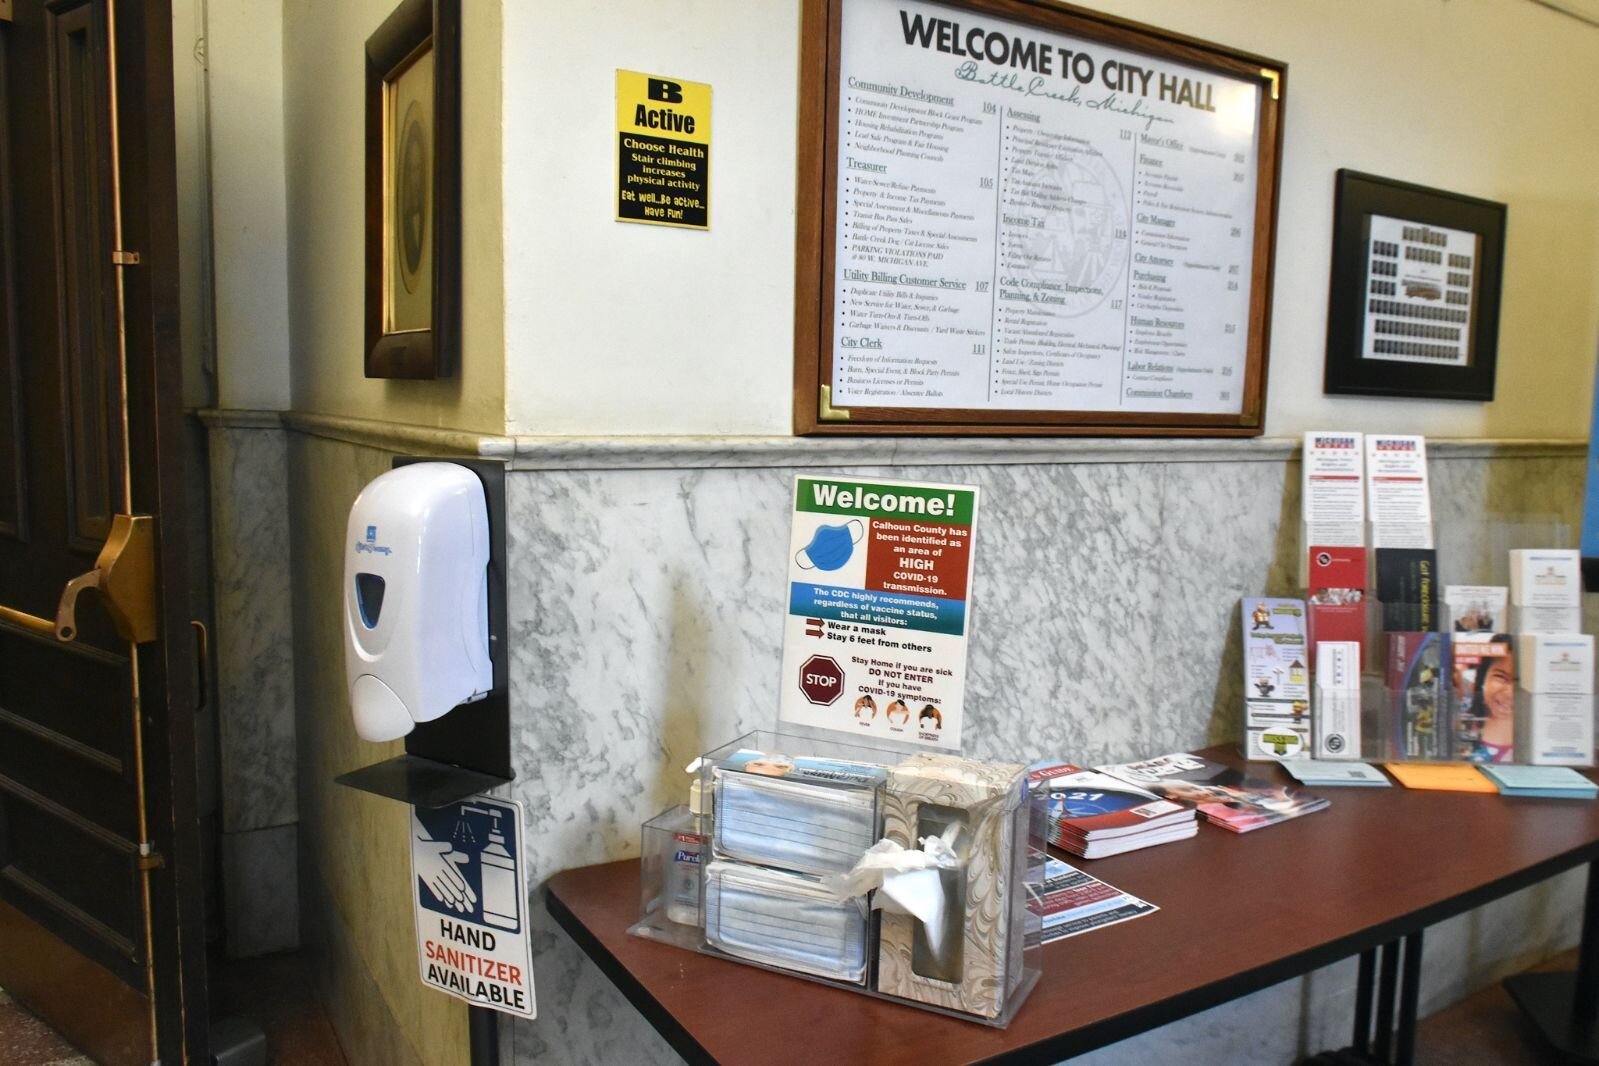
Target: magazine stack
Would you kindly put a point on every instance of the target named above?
(1092, 814)
(1222, 795)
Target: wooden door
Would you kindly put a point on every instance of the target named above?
(101, 911)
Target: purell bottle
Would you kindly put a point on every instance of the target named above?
(684, 886)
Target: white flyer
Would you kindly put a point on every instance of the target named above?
(1398, 497)
(1334, 505)
(879, 580)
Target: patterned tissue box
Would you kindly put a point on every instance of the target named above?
(980, 963)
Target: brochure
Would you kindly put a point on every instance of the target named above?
(1484, 674)
(1325, 772)
(1550, 782)
(1076, 902)
(1443, 776)
(1223, 795)
(1094, 805)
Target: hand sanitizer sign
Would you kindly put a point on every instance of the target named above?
(471, 903)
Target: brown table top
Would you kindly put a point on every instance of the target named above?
(1238, 913)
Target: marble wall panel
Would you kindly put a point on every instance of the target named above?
(260, 878)
(253, 636)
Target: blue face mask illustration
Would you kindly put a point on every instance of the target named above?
(831, 546)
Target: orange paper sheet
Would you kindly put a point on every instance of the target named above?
(1446, 776)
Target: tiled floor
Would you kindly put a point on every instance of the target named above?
(279, 994)
(1486, 1028)
(26, 1041)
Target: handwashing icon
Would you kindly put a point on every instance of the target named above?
(465, 857)
(831, 546)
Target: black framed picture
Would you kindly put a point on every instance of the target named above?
(413, 191)
(1414, 302)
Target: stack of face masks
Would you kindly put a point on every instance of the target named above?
(784, 919)
(779, 823)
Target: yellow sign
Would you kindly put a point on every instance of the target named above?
(663, 145)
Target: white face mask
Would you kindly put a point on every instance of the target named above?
(793, 825)
(785, 920)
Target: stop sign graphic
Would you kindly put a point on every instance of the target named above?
(821, 680)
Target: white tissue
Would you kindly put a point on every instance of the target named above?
(907, 882)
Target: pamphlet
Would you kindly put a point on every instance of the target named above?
(1276, 658)
(1418, 685)
(1223, 796)
(1096, 804)
(1483, 669)
(1407, 585)
(1334, 504)
(1477, 608)
(1550, 782)
(1324, 773)
(1558, 728)
(1440, 776)
(1398, 500)
(879, 579)
(1076, 902)
(1545, 577)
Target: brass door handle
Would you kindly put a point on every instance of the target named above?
(123, 574)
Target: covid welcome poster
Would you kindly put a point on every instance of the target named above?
(879, 591)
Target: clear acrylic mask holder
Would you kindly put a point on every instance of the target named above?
(668, 839)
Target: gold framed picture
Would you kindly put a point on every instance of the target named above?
(413, 194)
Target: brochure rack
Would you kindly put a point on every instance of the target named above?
(1418, 702)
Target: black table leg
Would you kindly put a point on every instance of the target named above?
(1565, 1006)
(1409, 994)
(1368, 972)
(1385, 1001)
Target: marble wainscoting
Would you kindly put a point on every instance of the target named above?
(253, 642)
(646, 603)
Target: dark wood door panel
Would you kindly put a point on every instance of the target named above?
(79, 692)
(72, 876)
(13, 515)
(38, 761)
(79, 112)
(85, 435)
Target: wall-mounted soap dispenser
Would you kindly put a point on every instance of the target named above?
(416, 600)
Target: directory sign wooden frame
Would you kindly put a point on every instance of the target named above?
(1017, 217)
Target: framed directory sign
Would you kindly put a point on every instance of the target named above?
(1022, 218)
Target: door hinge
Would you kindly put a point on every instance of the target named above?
(149, 858)
(121, 258)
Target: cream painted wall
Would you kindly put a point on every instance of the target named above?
(619, 328)
(244, 50)
(325, 124)
(189, 135)
(615, 328)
